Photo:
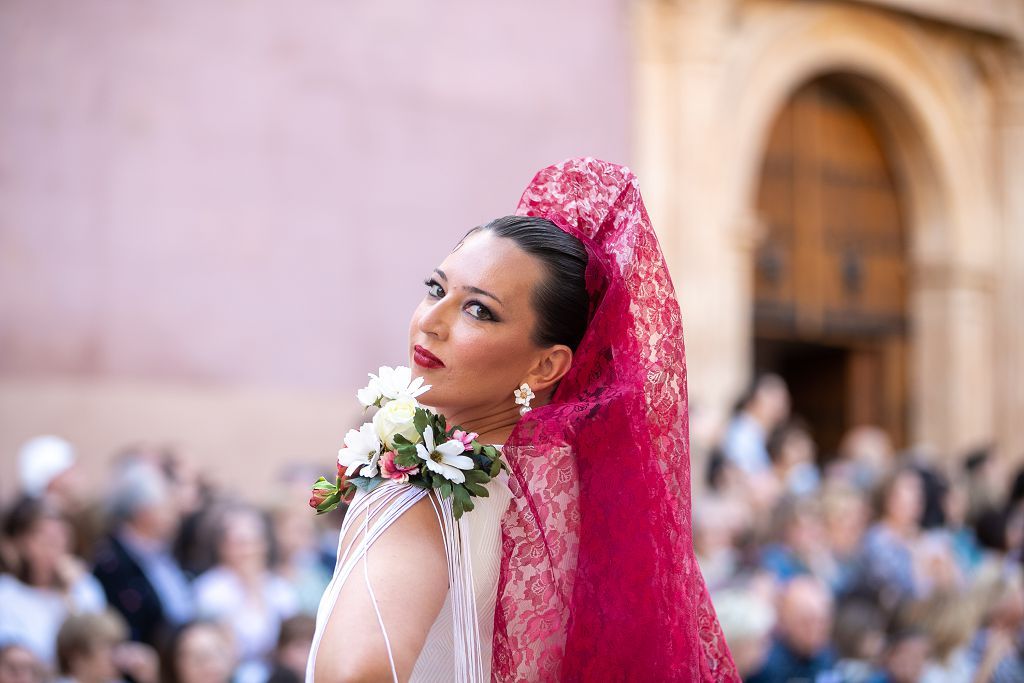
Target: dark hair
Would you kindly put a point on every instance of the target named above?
(561, 299)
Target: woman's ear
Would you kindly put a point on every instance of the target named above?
(552, 365)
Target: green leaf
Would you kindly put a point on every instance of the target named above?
(446, 489)
(443, 422)
(400, 440)
(476, 476)
(420, 419)
(477, 489)
(456, 509)
(462, 496)
(407, 459)
(329, 503)
(495, 468)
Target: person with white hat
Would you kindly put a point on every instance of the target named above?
(46, 467)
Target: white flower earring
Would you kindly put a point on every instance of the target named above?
(524, 394)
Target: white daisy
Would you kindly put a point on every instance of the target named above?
(445, 459)
(362, 449)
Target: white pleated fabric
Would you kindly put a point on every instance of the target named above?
(458, 646)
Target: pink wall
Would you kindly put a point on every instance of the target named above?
(249, 193)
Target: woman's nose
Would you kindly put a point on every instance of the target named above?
(434, 321)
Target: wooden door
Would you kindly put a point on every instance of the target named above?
(830, 293)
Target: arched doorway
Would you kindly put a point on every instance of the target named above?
(830, 272)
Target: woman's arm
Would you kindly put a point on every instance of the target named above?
(408, 574)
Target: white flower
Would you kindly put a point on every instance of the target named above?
(392, 383)
(370, 394)
(362, 449)
(524, 394)
(396, 417)
(444, 459)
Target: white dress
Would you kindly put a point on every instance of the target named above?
(451, 651)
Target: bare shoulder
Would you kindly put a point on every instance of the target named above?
(405, 577)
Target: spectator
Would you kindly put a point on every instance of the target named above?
(845, 513)
(241, 591)
(297, 560)
(47, 468)
(801, 649)
(92, 648)
(794, 458)
(758, 412)
(984, 475)
(18, 664)
(134, 564)
(865, 456)
(950, 620)
(800, 548)
(887, 554)
(996, 650)
(859, 636)
(905, 656)
(293, 650)
(44, 582)
(198, 652)
(747, 621)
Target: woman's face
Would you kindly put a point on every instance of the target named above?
(906, 499)
(204, 656)
(477, 319)
(244, 544)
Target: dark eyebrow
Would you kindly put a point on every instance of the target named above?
(475, 290)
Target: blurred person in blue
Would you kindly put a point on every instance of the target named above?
(41, 581)
(997, 649)
(241, 591)
(93, 648)
(296, 559)
(799, 547)
(758, 412)
(859, 635)
(793, 456)
(199, 651)
(134, 563)
(802, 648)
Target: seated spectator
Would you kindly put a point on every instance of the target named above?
(887, 563)
(794, 458)
(44, 582)
(760, 410)
(19, 665)
(747, 620)
(292, 650)
(950, 620)
(801, 649)
(297, 560)
(134, 563)
(865, 456)
(717, 524)
(799, 547)
(845, 514)
(996, 649)
(92, 648)
(859, 637)
(905, 656)
(242, 592)
(198, 652)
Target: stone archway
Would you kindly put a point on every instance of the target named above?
(710, 175)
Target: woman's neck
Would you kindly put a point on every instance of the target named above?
(492, 427)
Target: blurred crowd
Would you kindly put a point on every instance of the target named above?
(864, 565)
(157, 576)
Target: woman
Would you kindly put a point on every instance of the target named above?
(593, 576)
(44, 582)
(242, 592)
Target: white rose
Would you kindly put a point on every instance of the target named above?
(396, 417)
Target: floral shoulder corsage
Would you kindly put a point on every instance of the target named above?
(408, 443)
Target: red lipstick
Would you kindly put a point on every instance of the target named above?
(425, 359)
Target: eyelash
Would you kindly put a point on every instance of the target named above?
(431, 283)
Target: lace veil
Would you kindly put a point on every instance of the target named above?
(598, 575)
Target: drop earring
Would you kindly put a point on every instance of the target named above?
(524, 394)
